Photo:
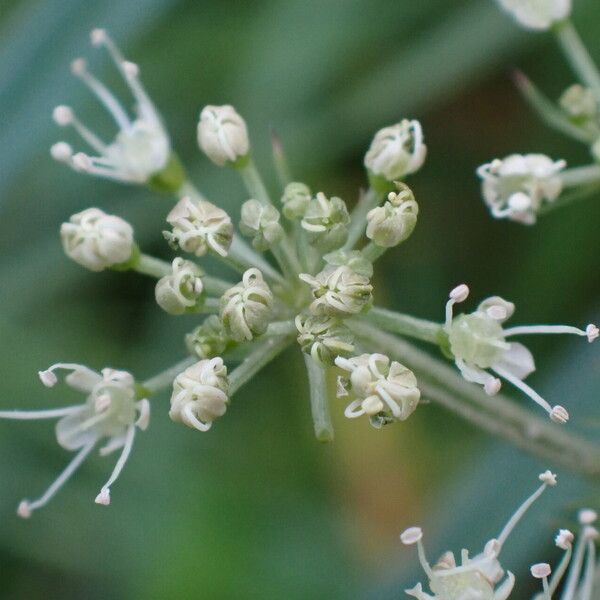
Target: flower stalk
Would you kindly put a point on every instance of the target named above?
(319, 400)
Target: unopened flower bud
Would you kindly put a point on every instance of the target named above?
(181, 291)
(339, 291)
(200, 394)
(261, 223)
(384, 390)
(326, 222)
(392, 223)
(199, 226)
(222, 134)
(208, 339)
(324, 338)
(296, 198)
(397, 151)
(354, 259)
(97, 240)
(579, 102)
(246, 308)
(538, 14)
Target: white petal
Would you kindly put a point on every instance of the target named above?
(517, 360)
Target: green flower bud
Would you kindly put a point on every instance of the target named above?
(350, 258)
(326, 222)
(246, 308)
(324, 338)
(261, 223)
(295, 200)
(392, 223)
(208, 339)
(579, 103)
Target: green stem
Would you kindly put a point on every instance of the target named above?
(549, 112)
(254, 183)
(498, 415)
(372, 251)
(578, 56)
(264, 352)
(242, 257)
(580, 176)
(165, 378)
(319, 400)
(280, 162)
(155, 267)
(402, 324)
(210, 306)
(570, 197)
(358, 223)
(281, 328)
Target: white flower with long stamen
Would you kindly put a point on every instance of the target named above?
(384, 390)
(110, 413)
(246, 308)
(222, 134)
(96, 240)
(518, 186)
(182, 291)
(476, 577)
(199, 226)
(200, 394)
(479, 343)
(537, 14)
(140, 149)
(397, 151)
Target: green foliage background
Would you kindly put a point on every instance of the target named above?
(256, 508)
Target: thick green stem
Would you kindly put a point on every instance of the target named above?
(319, 400)
(358, 222)
(570, 197)
(498, 415)
(578, 56)
(394, 322)
(263, 353)
(165, 378)
(372, 251)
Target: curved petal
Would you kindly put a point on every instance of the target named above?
(517, 360)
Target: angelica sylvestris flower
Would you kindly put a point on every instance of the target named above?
(141, 148)
(222, 134)
(324, 338)
(97, 240)
(246, 307)
(479, 342)
(181, 291)
(476, 577)
(392, 223)
(111, 412)
(517, 186)
(199, 226)
(200, 394)
(397, 151)
(339, 291)
(384, 390)
(261, 223)
(326, 222)
(208, 339)
(537, 14)
(295, 200)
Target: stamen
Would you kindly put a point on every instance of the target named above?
(64, 115)
(32, 415)
(585, 591)
(564, 540)
(547, 479)
(591, 331)
(62, 152)
(459, 294)
(26, 507)
(414, 535)
(541, 571)
(575, 570)
(191, 419)
(104, 496)
(143, 419)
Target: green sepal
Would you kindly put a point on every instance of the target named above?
(170, 179)
(380, 184)
(131, 262)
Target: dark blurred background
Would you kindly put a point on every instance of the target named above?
(256, 508)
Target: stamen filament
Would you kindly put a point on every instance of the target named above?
(31, 415)
(523, 387)
(575, 570)
(423, 559)
(88, 135)
(585, 591)
(542, 329)
(557, 575)
(104, 495)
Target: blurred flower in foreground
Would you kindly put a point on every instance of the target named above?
(537, 14)
(111, 411)
(476, 577)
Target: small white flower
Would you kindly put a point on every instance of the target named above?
(324, 338)
(111, 412)
(476, 577)
(392, 223)
(97, 240)
(295, 200)
(339, 291)
(384, 390)
(199, 226)
(222, 134)
(246, 308)
(517, 186)
(537, 14)
(261, 223)
(326, 222)
(478, 342)
(141, 148)
(182, 290)
(200, 394)
(397, 151)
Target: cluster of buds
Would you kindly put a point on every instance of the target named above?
(476, 577)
